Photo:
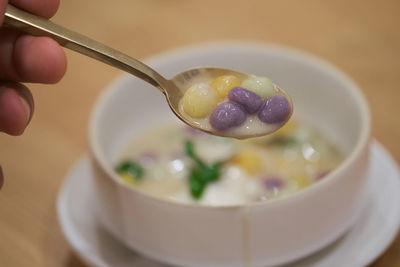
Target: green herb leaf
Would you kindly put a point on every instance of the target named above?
(197, 185)
(201, 174)
(132, 168)
(189, 149)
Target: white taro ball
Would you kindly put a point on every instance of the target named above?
(199, 100)
(260, 85)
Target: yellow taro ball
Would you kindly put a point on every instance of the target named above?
(199, 100)
(127, 178)
(287, 128)
(249, 161)
(223, 84)
(301, 181)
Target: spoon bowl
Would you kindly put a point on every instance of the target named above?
(181, 82)
(173, 89)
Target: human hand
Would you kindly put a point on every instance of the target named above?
(24, 58)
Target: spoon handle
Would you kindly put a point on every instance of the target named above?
(38, 26)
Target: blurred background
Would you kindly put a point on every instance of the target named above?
(360, 37)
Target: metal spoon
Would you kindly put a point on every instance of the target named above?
(173, 89)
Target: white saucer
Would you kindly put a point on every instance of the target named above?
(364, 242)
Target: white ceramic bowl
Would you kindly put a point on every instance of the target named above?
(257, 234)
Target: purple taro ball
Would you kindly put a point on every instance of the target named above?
(321, 175)
(273, 183)
(227, 115)
(276, 109)
(249, 100)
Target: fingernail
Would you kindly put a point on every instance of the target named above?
(27, 109)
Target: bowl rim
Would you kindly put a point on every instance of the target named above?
(362, 105)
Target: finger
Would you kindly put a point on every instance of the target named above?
(39, 59)
(30, 59)
(16, 108)
(43, 8)
(3, 5)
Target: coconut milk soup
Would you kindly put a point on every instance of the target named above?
(179, 163)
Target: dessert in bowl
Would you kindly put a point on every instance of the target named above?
(293, 216)
(179, 163)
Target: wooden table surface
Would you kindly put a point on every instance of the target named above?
(360, 37)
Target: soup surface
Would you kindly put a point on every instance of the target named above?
(185, 165)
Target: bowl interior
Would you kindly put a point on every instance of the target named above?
(322, 95)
